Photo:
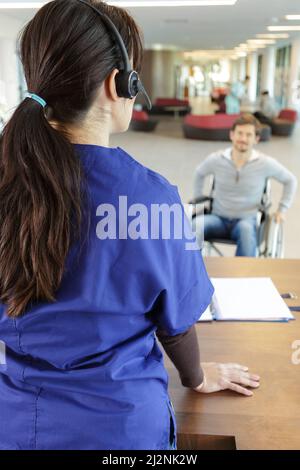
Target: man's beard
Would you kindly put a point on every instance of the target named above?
(242, 149)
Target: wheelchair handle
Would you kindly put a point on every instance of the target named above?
(199, 200)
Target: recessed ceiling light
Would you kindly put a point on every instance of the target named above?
(283, 28)
(162, 47)
(261, 41)
(209, 53)
(292, 17)
(131, 3)
(172, 3)
(23, 5)
(273, 36)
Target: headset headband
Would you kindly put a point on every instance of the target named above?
(111, 26)
(128, 81)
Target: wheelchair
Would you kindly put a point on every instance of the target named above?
(270, 236)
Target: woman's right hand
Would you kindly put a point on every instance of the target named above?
(227, 377)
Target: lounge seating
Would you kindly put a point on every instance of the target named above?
(215, 127)
(142, 122)
(208, 127)
(169, 106)
(285, 123)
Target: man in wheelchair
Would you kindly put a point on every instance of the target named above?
(240, 175)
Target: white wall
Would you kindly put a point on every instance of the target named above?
(9, 76)
(9, 26)
(294, 86)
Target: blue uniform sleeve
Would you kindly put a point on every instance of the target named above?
(187, 288)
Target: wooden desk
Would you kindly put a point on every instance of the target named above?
(271, 418)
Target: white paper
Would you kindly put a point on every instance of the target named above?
(206, 315)
(248, 299)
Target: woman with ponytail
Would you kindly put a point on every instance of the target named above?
(80, 365)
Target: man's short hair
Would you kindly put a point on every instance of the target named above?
(247, 119)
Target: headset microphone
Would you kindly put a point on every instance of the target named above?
(128, 83)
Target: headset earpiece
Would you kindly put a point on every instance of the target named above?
(127, 84)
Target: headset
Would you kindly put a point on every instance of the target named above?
(128, 83)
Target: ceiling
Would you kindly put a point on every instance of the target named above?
(213, 27)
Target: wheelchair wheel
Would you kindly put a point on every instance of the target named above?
(274, 240)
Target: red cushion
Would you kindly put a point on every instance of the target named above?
(288, 115)
(171, 102)
(211, 121)
(139, 115)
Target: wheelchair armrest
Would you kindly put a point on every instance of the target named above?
(199, 200)
(265, 207)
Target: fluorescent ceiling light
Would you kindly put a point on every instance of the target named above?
(261, 41)
(245, 47)
(162, 47)
(292, 17)
(208, 53)
(171, 3)
(283, 28)
(273, 36)
(23, 5)
(254, 47)
(133, 3)
(249, 48)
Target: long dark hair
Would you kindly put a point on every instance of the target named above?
(67, 52)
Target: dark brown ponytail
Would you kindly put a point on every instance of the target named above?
(67, 53)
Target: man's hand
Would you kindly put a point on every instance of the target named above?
(234, 377)
(279, 217)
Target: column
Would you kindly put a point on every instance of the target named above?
(234, 71)
(252, 72)
(268, 70)
(159, 72)
(242, 69)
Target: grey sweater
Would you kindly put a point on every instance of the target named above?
(238, 193)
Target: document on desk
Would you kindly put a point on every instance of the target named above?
(207, 314)
(246, 299)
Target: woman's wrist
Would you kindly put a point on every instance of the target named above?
(199, 388)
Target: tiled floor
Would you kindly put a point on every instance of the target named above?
(169, 153)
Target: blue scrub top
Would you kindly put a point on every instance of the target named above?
(86, 371)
